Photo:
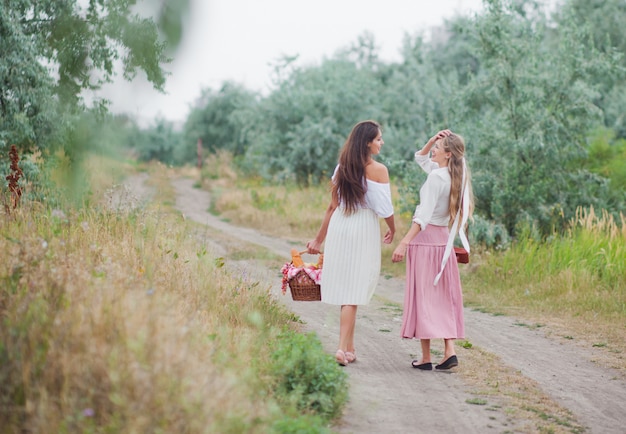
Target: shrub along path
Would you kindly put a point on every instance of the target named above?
(515, 378)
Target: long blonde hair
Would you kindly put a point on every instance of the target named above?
(455, 144)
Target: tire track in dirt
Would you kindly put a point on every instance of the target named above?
(388, 396)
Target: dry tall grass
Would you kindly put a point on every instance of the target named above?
(119, 320)
(576, 282)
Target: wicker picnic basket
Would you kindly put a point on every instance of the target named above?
(302, 286)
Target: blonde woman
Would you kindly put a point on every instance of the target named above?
(360, 195)
(433, 300)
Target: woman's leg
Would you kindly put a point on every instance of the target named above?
(351, 352)
(449, 357)
(347, 319)
(448, 349)
(346, 327)
(425, 343)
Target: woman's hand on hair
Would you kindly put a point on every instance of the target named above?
(440, 135)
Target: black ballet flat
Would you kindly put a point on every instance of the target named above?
(450, 362)
(423, 366)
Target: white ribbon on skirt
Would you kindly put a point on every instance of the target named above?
(455, 226)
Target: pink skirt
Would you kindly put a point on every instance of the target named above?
(432, 312)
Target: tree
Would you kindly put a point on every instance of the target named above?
(216, 120)
(27, 109)
(415, 99)
(159, 142)
(52, 50)
(604, 23)
(298, 129)
(528, 110)
(607, 157)
(451, 48)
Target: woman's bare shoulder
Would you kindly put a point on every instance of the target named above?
(377, 172)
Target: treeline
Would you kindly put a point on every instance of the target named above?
(540, 99)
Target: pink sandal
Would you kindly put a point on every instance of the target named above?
(341, 358)
(351, 356)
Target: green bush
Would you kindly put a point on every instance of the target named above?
(607, 158)
(488, 233)
(304, 424)
(307, 378)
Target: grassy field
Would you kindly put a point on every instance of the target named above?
(117, 319)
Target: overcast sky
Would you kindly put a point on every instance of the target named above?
(238, 40)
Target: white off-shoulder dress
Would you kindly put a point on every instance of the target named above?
(352, 251)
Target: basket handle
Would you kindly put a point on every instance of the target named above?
(298, 262)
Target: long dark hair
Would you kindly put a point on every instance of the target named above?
(349, 185)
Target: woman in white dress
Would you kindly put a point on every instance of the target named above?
(360, 195)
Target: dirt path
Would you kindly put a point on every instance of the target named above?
(388, 396)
